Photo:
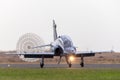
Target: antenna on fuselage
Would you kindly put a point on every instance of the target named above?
(54, 30)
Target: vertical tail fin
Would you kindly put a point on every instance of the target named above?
(54, 30)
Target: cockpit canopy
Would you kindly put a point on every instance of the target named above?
(66, 41)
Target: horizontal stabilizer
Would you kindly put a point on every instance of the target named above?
(41, 46)
(90, 53)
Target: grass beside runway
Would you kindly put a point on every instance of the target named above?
(59, 74)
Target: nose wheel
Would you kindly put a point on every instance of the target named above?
(68, 61)
(70, 65)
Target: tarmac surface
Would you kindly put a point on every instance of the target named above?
(60, 66)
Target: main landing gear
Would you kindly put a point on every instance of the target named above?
(82, 61)
(42, 62)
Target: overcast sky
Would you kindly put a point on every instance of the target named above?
(92, 24)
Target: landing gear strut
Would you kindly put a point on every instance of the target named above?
(42, 62)
(68, 61)
(82, 61)
(70, 65)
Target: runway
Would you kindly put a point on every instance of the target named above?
(59, 66)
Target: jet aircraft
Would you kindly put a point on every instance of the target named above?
(61, 46)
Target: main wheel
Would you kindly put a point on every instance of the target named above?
(41, 65)
(82, 64)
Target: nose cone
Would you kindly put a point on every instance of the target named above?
(70, 50)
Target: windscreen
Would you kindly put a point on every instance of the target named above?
(67, 41)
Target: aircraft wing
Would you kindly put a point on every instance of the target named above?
(41, 46)
(38, 55)
(90, 53)
(35, 55)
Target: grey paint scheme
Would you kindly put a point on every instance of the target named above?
(62, 46)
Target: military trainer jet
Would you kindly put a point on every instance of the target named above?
(61, 46)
